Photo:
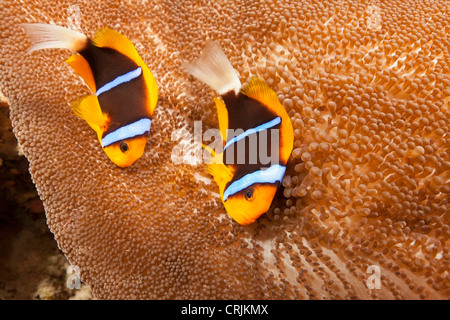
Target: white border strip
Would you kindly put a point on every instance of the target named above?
(129, 131)
(119, 80)
(264, 126)
(271, 175)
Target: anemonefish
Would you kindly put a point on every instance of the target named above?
(125, 92)
(248, 188)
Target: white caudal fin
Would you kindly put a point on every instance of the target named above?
(51, 36)
(214, 69)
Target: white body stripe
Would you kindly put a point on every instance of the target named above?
(129, 131)
(119, 80)
(264, 126)
(271, 175)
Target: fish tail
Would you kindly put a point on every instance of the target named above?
(214, 69)
(45, 36)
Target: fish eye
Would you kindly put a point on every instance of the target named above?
(249, 194)
(123, 147)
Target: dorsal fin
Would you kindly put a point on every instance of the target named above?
(81, 66)
(107, 38)
(258, 89)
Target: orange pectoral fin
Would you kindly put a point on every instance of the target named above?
(81, 66)
(88, 109)
(215, 167)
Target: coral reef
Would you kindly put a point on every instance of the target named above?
(367, 88)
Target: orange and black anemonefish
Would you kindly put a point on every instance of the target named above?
(247, 188)
(125, 91)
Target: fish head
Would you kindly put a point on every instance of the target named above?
(125, 152)
(249, 204)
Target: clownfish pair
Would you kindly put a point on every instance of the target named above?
(124, 90)
(125, 94)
